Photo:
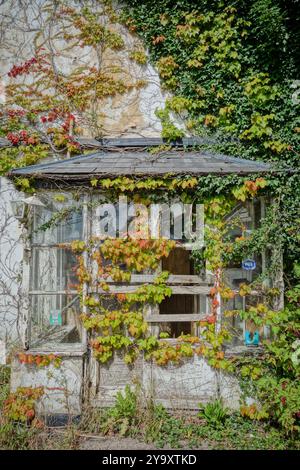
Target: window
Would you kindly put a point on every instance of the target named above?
(250, 214)
(184, 304)
(193, 304)
(53, 297)
(181, 268)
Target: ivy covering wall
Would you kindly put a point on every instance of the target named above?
(231, 68)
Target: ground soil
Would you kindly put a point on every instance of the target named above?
(116, 443)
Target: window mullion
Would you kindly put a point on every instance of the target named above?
(86, 236)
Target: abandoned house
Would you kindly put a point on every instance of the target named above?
(50, 314)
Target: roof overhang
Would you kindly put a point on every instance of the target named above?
(114, 162)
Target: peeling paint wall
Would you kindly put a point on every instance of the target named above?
(181, 386)
(63, 385)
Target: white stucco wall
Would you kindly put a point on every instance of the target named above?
(26, 24)
(11, 255)
(63, 386)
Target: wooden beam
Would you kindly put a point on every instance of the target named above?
(126, 289)
(142, 142)
(172, 279)
(25, 318)
(58, 292)
(129, 288)
(123, 289)
(178, 317)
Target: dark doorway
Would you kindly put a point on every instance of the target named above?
(178, 262)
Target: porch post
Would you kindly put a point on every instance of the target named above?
(86, 236)
(24, 311)
(278, 281)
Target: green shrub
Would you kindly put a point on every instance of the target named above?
(122, 415)
(13, 436)
(214, 413)
(125, 406)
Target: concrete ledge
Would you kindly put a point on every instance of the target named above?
(63, 385)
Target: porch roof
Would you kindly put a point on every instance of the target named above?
(117, 160)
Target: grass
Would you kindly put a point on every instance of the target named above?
(214, 427)
(240, 433)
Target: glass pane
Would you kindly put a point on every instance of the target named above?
(57, 222)
(55, 320)
(249, 215)
(54, 309)
(54, 269)
(54, 314)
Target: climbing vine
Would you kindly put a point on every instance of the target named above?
(48, 106)
(20, 405)
(116, 320)
(40, 360)
(210, 57)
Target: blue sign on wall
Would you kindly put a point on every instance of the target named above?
(254, 341)
(249, 264)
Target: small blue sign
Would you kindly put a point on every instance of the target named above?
(249, 264)
(254, 341)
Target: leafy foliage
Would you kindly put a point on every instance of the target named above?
(47, 106)
(230, 67)
(213, 58)
(214, 413)
(123, 415)
(20, 405)
(134, 416)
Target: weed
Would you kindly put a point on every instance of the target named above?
(214, 413)
(123, 415)
(14, 436)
